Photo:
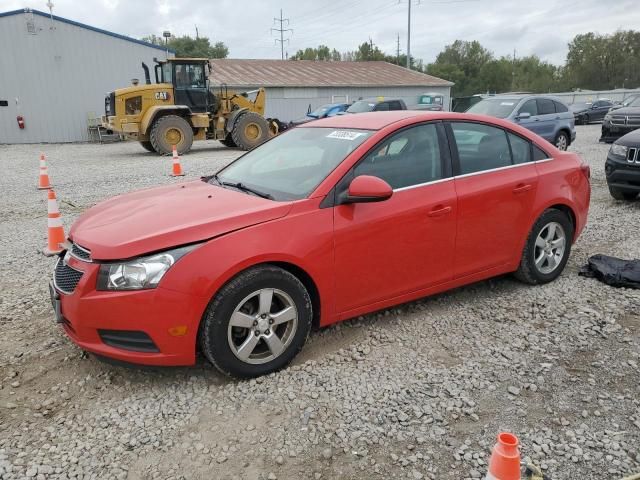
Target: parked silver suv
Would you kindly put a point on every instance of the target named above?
(544, 115)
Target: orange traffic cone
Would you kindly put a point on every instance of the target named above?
(504, 463)
(55, 229)
(43, 181)
(177, 168)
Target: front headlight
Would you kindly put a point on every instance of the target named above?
(141, 273)
(619, 150)
(607, 117)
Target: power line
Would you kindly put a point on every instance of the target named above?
(281, 30)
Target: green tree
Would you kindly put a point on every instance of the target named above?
(187, 46)
(467, 57)
(368, 52)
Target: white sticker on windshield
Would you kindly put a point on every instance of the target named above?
(506, 103)
(345, 134)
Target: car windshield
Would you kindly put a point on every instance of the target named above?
(361, 106)
(495, 107)
(320, 112)
(579, 106)
(634, 102)
(292, 165)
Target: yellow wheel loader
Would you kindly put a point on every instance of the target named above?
(181, 107)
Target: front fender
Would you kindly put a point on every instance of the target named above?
(153, 112)
(231, 121)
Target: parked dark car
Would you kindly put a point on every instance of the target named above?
(584, 113)
(622, 168)
(621, 121)
(546, 116)
(328, 110)
(376, 105)
(625, 103)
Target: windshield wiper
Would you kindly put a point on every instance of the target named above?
(244, 188)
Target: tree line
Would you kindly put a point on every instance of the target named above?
(594, 62)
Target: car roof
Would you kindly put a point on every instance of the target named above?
(380, 120)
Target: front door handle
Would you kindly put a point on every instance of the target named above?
(522, 188)
(439, 210)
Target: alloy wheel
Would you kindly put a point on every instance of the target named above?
(549, 247)
(561, 142)
(262, 326)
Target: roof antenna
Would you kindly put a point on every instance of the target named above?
(50, 7)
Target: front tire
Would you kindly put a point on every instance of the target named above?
(562, 141)
(547, 249)
(171, 130)
(622, 194)
(228, 142)
(257, 323)
(250, 130)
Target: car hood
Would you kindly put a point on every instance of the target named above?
(631, 139)
(627, 111)
(159, 218)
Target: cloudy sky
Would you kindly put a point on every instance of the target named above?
(543, 27)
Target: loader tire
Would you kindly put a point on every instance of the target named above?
(228, 142)
(250, 130)
(148, 147)
(171, 130)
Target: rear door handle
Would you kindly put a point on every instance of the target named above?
(522, 187)
(439, 210)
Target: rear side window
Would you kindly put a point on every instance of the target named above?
(539, 154)
(529, 107)
(480, 147)
(520, 149)
(395, 105)
(560, 107)
(381, 107)
(545, 106)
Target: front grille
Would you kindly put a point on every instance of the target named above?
(618, 119)
(66, 278)
(135, 341)
(632, 155)
(80, 253)
(629, 120)
(633, 120)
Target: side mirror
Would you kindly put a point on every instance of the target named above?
(366, 188)
(524, 115)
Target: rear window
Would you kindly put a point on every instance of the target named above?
(545, 106)
(361, 106)
(560, 107)
(494, 107)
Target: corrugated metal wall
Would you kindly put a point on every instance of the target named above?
(288, 104)
(54, 74)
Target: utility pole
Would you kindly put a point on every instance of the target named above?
(398, 50)
(197, 37)
(282, 22)
(513, 71)
(409, 34)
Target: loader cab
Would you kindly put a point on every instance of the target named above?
(189, 79)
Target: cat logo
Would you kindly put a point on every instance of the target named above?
(162, 96)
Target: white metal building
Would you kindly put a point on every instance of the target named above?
(293, 85)
(54, 73)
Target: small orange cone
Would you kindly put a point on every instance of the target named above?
(55, 229)
(504, 463)
(177, 168)
(43, 181)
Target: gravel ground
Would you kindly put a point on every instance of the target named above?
(418, 391)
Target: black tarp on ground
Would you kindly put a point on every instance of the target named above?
(613, 271)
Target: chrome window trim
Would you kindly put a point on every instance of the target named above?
(470, 174)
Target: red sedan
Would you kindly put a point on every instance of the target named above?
(331, 220)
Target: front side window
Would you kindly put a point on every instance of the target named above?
(382, 107)
(530, 107)
(167, 76)
(292, 165)
(190, 76)
(409, 157)
(480, 147)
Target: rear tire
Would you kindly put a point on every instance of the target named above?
(171, 130)
(148, 147)
(250, 130)
(542, 260)
(622, 195)
(562, 140)
(243, 335)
